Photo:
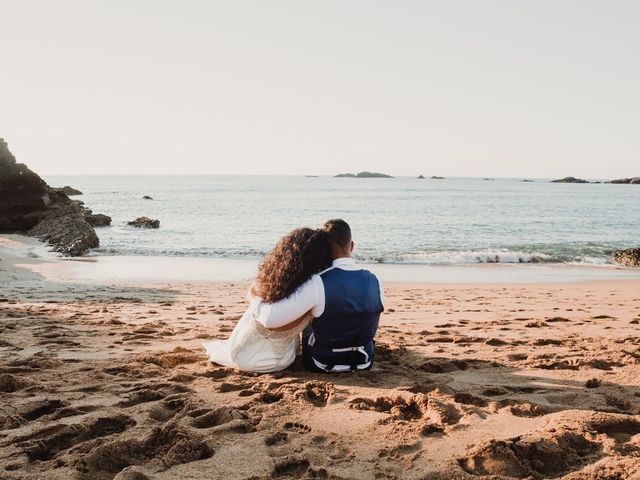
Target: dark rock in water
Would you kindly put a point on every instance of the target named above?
(421, 177)
(28, 205)
(435, 177)
(69, 191)
(569, 180)
(487, 178)
(97, 219)
(147, 197)
(632, 181)
(363, 175)
(66, 229)
(529, 181)
(629, 257)
(145, 222)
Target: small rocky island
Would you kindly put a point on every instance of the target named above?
(570, 180)
(627, 181)
(363, 175)
(621, 181)
(420, 177)
(29, 206)
(435, 177)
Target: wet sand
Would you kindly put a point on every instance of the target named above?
(102, 380)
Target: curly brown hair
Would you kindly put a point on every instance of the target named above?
(294, 259)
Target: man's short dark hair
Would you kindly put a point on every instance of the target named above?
(338, 231)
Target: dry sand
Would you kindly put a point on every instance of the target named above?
(491, 381)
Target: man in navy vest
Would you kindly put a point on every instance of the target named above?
(345, 301)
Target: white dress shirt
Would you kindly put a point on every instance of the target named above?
(309, 296)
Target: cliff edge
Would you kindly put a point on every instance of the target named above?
(29, 206)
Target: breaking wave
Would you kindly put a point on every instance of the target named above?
(422, 258)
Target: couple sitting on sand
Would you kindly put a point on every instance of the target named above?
(308, 285)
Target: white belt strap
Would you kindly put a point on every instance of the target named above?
(340, 368)
(352, 349)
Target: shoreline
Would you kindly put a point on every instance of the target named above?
(33, 255)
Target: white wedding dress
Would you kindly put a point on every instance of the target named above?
(253, 347)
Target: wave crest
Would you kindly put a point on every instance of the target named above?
(450, 257)
(465, 257)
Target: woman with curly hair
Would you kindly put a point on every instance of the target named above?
(295, 260)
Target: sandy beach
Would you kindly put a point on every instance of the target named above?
(479, 159)
(102, 380)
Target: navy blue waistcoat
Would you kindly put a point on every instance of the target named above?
(350, 320)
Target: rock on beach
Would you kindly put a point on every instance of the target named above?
(629, 257)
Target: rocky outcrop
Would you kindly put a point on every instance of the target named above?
(147, 197)
(66, 229)
(363, 175)
(69, 191)
(632, 180)
(97, 219)
(569, 180)
(435, 177)
(629, 257)
(421, 177)
(145, 222)
(28, 205)
(23, 194)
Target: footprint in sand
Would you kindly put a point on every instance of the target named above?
(316, 392)
(151, 393)
(12, 383)
(564, 451)
(291, 467)
(169, 444)
(46, 443)
(296, 427)
(204, 418)
(233, 387)
(168, 408)
(34, 410)
(277, 438)
(435, 410)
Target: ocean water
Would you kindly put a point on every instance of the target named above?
(397, 220)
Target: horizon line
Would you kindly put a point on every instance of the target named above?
(309, 175)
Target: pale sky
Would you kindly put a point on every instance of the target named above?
(509, 88)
